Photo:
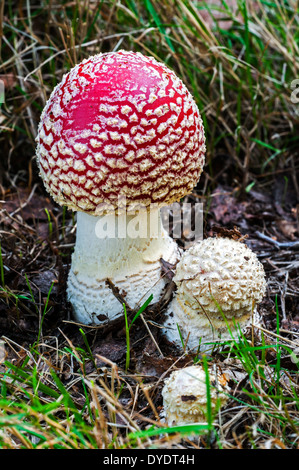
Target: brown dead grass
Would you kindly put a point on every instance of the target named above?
(37, 236)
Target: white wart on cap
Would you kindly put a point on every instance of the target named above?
(119, 126)
(213, 276)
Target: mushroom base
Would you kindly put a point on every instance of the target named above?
(207, 331)
(132, 264)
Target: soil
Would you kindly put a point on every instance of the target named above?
(36, 252)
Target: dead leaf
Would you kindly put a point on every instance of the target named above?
(9, 80)
(289, 229)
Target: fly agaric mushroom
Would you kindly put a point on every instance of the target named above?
(120, 126)
(185, 397)
(215, 277)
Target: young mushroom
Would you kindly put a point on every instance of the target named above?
(119, 137)
(185, 397)
(219, 284)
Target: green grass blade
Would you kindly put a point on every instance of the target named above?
(146, 303)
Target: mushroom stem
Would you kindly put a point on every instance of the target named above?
(126, 249)
(200, 328)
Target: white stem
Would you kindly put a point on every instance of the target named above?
(125, 249)
(197, 327)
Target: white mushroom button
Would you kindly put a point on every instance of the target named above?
(115, 111)
(186, 395)
(215, 278)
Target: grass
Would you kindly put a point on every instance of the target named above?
(128, 327)
(57, 387)
(39, 411)
(1, 268)
(245, 70)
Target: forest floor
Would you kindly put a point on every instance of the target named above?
(64, 385)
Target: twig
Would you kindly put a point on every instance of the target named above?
(271, 333)
(283, 295)
(26, 202)
(150, 333)
(294, 245)
(19, 65)
(86, 44)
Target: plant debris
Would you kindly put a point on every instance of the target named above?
(67, 385)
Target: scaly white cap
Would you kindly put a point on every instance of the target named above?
(213, 276)
(185, 395)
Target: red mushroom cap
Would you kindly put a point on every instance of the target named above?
(120, 124)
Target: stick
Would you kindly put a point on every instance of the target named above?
(279, 245)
